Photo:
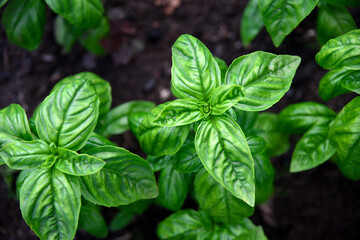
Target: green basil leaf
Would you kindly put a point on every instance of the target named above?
(242, 230)
(178, 113)
(65, 33)
(158, 163)
(351, 81)
(218, 202)
(264, 178)
(267, 127)
(330, 85)
(102, 88)
(21, 179)
(14, 125)
(300, 117)
(246, 120)
(256, 144)
(313, 149)
(222, 66)
(182, 225)
(116, 120)
(68, 115)
(254, 234)
(265, 78)
(23, 154)
(2, 2)
(50, 203)
(121, 220)
(84, 13)
(156, 140)
(195, 73)
(90, 39)
(224, 152)
(339, 52)
(125, 178)
(96, 140)
(251, 22)
(92, 221)
(344, 3)
(282, 17)
(332, 22)
(173, 188)
(24, 22)
(186, 159)
(78, 164)
(345, 137)
(224, 98)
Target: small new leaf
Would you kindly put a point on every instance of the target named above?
(225, 97)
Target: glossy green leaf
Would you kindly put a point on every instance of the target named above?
(344, 3)
(195, 73)
(2, 2)
(332, 22)
(156, 140)
(256, 144)
(251, 22)
(91, 38)
(125, 178)
(218, 202)
(351, 81)
(246, 120)
(173, 188)
(243, 230)
(254, 234)
(330, 85)
(121, 220)
(117, 122)
(345, 137)
(222, 66)
(68, 115)
(83, 13)
(14, 125)
(158, 163)
(135, 120)
(66, 34)
(265, 78)
(96, 140)
(182, 225)
(267, 127)
(21, 179)
(300, 117)
(92, 221)
(186, 159)
(50, 203)
(264, 178)
(313, 149)
(225, 97)
(339, 52)
(178, 113)
(24, 22)
(26, 154)
(281, 17)
(223, 150)
(102, 88)
(77, 164)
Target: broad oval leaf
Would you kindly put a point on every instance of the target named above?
(345, 137)
(313, 149)
(218, 202)
(173, 188)
(251, 22)
(195, 73)
(224, 98)
(281, 17)
(157, 140)
(92, 221)
(77, 164)
(124, 179)
(24, 22)
(50, 203)
(330, 85)
(342, 51)
(265, 78)
(300, 117)
(351, 81)
(90, 39)
(81, 13)
(182, 225)
(68, 115)
(332, 22)
(223, 150)
(26, 154)
(178, 113)
(264, 178)
(14, 125)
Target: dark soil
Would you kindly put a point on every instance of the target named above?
(316, 204)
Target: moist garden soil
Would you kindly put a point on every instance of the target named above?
(316, 204)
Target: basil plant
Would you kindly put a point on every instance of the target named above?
(62, 160)
(326, 133)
